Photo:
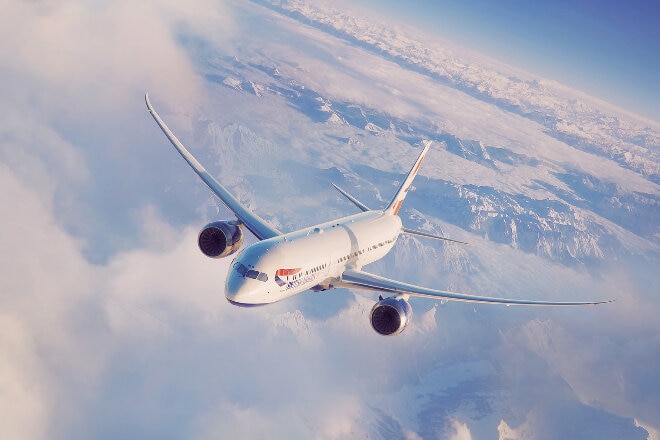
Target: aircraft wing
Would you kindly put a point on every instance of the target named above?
(364, 280)
(252, 222)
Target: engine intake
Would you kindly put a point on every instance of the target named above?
(220, 239)
(390, 316)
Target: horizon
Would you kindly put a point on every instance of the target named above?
(609, 51)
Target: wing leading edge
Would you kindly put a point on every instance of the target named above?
(359, 279)
(252, 222)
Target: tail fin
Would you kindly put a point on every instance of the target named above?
(395, 204)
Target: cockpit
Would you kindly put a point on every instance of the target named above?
(250, 273)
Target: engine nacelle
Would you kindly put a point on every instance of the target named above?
(219, 239)
(390, 316)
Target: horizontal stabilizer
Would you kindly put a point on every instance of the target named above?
(353, 200)
(427, 235)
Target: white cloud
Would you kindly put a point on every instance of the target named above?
(460, 431)
(43, 284)
(104, 52)
(73, 76)
(524, 432)
(653, 433)
(157, 317)
(24, 402)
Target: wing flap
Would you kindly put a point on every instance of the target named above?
(364, 280)
(252, 222)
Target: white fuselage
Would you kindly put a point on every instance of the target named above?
(311, 258)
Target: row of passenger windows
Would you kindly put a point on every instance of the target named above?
(316, 269)
(360, 252)
(250, 273)
(307, 272)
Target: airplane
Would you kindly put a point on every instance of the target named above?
(326, 256)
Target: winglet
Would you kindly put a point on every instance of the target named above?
(395, 204)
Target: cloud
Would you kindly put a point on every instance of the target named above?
(104, 52)
(42, 280)
(24, 403)
(653, 433)
(74, 74)
(150, 333)
(460, 431)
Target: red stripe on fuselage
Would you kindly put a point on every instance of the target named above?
(287, 272)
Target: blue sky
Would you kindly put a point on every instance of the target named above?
(610, 50)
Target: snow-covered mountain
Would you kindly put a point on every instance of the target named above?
(565, 114)
(558, 210)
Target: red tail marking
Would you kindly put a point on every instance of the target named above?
(397, 206)
(418, 165)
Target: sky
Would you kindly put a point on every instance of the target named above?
(609, 49)
(113, 325)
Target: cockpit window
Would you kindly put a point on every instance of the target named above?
(250, 273)
(240, 268)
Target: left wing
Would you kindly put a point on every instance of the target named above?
(364, 280)
(253, 222)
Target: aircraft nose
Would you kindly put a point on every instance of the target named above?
(239, 292)
(233, 287)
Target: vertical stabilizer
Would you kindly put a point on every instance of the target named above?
(395, 204)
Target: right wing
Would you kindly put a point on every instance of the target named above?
(252, 222)
(358, 279)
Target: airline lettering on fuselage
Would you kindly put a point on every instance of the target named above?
(291, 278)
(297, 282)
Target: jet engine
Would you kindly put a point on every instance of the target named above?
(390, 316)
(219, 239)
